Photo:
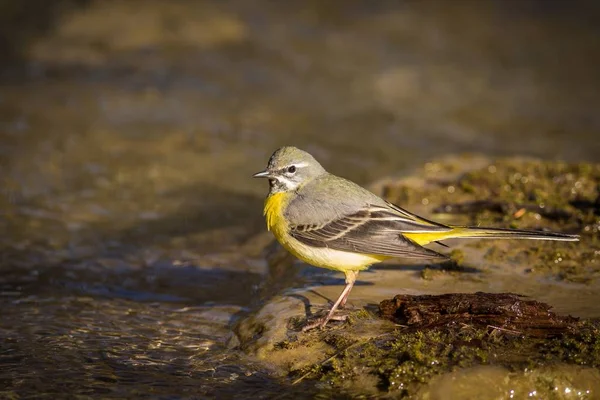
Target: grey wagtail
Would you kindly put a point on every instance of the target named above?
(330, 222)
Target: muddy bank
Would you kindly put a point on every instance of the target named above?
(415, 345)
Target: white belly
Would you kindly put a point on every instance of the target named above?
(329, 258)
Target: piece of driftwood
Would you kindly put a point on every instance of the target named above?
(507, 312)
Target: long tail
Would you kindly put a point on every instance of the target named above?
(472, 232)
(501, 233)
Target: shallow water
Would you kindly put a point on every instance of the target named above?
(130, 231)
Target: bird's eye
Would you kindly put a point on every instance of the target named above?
(291, 169)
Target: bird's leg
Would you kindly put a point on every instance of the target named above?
(353, 275)
(350, 279)
(321, 322)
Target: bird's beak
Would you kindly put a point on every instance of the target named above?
(263, 174)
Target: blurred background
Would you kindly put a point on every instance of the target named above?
(129, 131)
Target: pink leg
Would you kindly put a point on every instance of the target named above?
(350, 279)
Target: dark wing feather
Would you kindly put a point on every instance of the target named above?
(372, 230)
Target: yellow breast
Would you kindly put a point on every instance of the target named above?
(320, 257)
(274, 206)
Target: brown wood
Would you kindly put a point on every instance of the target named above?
(508, 312)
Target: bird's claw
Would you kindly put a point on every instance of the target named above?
(321, 322)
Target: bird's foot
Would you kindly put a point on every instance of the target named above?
(322, 321)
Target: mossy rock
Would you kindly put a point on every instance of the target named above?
(441, 335)
(513, 193)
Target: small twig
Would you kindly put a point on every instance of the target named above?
(504, 329)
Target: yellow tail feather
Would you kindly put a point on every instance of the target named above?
(466, 232)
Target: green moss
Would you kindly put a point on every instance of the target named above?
(286, 345)
(458, 256)
(403, 361)
(545, 184)
(361, 314)
(408, 360)
(523, 194)
(338, 340)
(581, 348)
(297, 322)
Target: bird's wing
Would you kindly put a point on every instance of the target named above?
(374, 229)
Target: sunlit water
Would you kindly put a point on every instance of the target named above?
(129, 134)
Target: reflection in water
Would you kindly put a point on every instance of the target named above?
(130, 130)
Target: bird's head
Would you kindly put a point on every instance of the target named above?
(290, 168)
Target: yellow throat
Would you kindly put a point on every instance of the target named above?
(274, 205)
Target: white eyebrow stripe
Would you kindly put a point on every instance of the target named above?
(300, 165)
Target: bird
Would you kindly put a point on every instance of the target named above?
(330, 222)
